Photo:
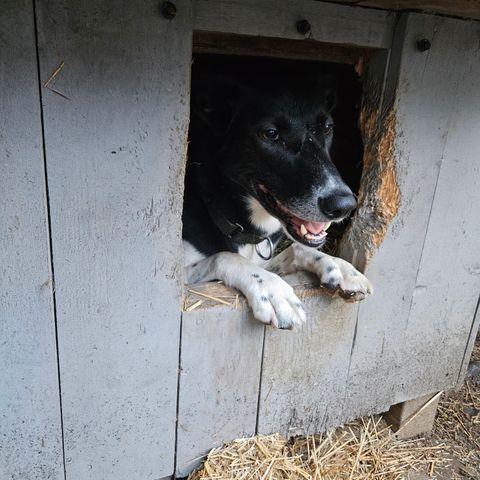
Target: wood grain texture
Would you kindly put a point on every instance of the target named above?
(219, 380)
(115, 143)
(473, 335)
(274, 47)
(448, 281)
(379, 194)
(336, 24)
(304, 371)
(461, 8)
(30, 424)
(426, 86)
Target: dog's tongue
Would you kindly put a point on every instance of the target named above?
(315, 227)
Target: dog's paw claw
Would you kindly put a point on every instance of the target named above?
(331, 289)
(352, 297)
(338, 277)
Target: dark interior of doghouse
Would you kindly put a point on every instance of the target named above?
(347, 147)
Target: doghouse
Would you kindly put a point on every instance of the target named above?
(111, 368)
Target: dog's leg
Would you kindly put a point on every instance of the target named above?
(336, 275)
(272, 299)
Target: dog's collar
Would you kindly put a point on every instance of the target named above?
(233, 230)
(236, 233)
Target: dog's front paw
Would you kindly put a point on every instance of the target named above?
(341, 278)
(273, 301)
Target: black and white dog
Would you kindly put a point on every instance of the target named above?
(259, 167)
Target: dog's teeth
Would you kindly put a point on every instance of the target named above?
(326, 226)
(303, 230)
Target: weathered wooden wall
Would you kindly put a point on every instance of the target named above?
(30, 417)
(91, 166)
(390, 341)
(403, 342)
(459, 8)
(115, 158)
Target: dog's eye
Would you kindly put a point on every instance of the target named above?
(328, 129)
(270, 134)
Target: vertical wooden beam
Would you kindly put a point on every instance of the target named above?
(30, 422)
(219, 380)
(116, 119)
(413, 417)
(397, 350)
(474, 332)
(305, 370)
(448, 280)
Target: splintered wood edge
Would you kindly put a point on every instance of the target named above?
(379, 196)
(276, 47)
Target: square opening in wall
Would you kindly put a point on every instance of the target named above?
(275, 155)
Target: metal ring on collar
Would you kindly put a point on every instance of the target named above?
(260, 254)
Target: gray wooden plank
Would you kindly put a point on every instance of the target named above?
(336, 24)
(467, 356)
(219, 380)
(426, 89)
(115, 159)
(30, 423)
(448, 280)
(305, 370)
(460, 8)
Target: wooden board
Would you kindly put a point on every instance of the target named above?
(336, 24)
(427, 85)
(472, 337)
(220, 376)
(302, 376)
(448, 280)
(460, 8)
(115, 142)
(273, 47)
(305, 370)
(30, 423)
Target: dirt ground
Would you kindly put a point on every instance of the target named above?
(457, 427)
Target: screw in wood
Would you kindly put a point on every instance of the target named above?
(169, 10)
(303, 27)
(423, 44)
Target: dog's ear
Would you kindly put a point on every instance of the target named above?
(330, 93)
(327, 88)
(319, 86)
(215, 101)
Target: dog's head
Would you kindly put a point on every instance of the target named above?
(275, 141)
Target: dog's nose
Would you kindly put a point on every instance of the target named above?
(337, 205)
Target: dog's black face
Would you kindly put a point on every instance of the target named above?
(275, 144)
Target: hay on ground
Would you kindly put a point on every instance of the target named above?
(361, 450)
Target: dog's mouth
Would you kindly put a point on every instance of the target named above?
(312, 234)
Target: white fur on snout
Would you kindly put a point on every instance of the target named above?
(261, 218)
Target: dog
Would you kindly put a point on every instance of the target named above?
(259, 168)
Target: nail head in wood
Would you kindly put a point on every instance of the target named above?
(424, 44)
(303, 27)
(169, 10)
